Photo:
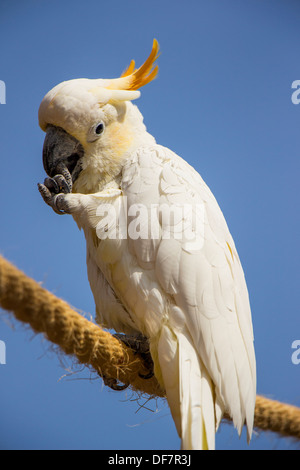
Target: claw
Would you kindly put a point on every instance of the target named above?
(140, 345)
(63, 170)
(113, 384)
(56, 201)
(52, 185)
(54, 189)
(147, 376)
(46, 194)
(60, 205)
(62, 184)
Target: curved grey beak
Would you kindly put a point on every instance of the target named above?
(61, 151)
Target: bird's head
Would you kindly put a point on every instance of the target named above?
(91, 125)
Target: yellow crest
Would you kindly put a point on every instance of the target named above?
(132, 78)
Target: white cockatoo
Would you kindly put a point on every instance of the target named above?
(160, 259)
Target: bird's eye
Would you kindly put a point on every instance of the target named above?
(100, 128)
(95, 131)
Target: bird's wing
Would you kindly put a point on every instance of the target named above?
(197, 265)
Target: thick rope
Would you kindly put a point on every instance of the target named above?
(75, 335)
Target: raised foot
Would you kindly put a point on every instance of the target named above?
(54, 189)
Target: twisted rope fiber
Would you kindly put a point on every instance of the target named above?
(75, 335)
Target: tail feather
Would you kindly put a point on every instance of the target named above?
(189, 390)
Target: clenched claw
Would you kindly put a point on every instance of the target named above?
(56, 201)
(52, 185)
(149, 375)
(54, 189)
(113, 384)
(62, 184)
(62, 170)
(140, 345)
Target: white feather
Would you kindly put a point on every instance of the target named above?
(192, 304)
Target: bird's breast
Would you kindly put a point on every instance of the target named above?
(112, 268)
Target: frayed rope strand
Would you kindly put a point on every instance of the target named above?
(92, 346)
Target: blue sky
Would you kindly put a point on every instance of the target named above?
(222, 101)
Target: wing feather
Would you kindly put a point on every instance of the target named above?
(205, 279)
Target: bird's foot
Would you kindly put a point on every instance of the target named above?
(54, 191)
(140, 345)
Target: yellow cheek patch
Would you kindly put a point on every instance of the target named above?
(120, 137)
